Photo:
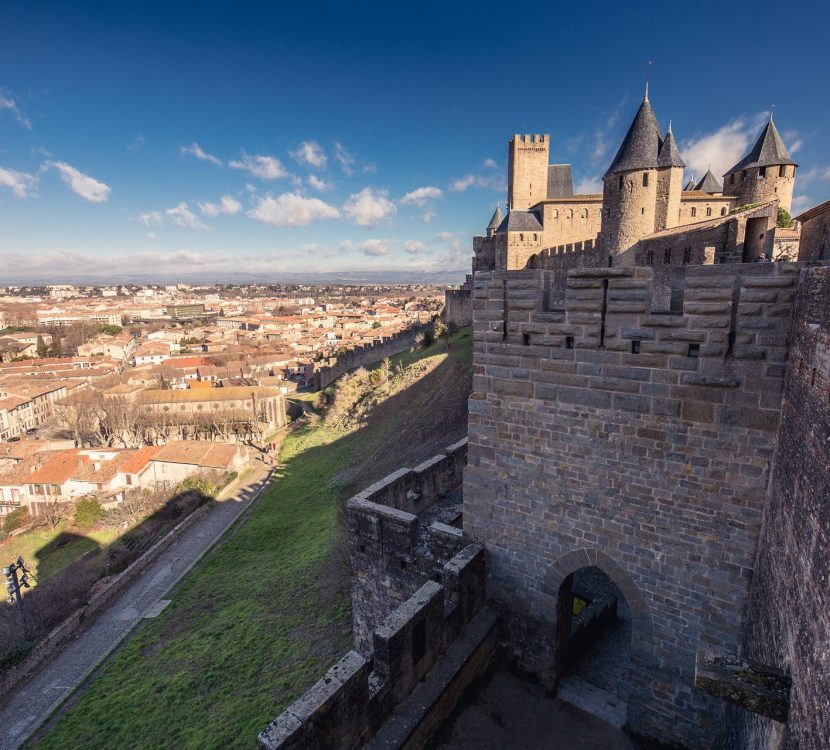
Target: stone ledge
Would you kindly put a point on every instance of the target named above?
(756, 687)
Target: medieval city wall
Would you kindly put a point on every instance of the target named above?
(569, 221)
(789, 616)
(603, 434)
(562, 259)
(392, 551)
(815, 238)
(328, 370)
(458, 306)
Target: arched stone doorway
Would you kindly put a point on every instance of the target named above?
(603, 638)
(593, 645)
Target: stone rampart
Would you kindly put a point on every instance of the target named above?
(398, 539)
(604, 434)
(562, 259)
(789, 617)
(351, 702)
(328, 370)
(458, 306)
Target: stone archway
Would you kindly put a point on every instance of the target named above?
(597, 648)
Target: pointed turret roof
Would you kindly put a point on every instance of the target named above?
(768, 150)
(641, 145)
(496, 220)
(690, 185)
(709, 183)
(668, 155)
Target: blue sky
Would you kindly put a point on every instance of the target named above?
(276, 137)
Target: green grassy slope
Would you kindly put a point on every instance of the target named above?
(263, 616)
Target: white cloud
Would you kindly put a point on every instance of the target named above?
(151, 236)
(724, 148)
(8, 104)
(180, 215)
(87, 187)
(421, 195)
(292, 210)
(815, 174)
(479, 181)
(262, 166)
(319, 184)
(194, 149)
(445, 236)
(227, 205)
(310, 153)
(589, 185)
(368, 207)
(490, 164)
(375, 247)
(20, 183)
(414, 247)
(344, 158)
(347, 246)
(428, 216)
(801, 203)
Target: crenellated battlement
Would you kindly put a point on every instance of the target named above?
(535, 138)
(718, 354)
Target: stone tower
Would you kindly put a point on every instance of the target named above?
(766, 173)
(494, 222)
(669, 184)
(527, 170)
(629, 196)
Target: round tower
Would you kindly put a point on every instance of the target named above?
(766, 173)
(629, 195)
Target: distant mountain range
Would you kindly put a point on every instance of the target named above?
(439, 278)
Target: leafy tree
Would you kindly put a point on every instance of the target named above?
(42, 349)
(376, 324)
(88, 512)
(17, 518)
(785, 221)
(442, 331)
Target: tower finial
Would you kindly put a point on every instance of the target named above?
(648, 71)
(669, 126)
(771, 112)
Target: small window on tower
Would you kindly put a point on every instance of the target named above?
(782, 170)
(723, 211)
(762, 172)
(621, 182)
(645, 179)
(708, 211)
(694, 212)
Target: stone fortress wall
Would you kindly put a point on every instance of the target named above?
(418, 594)
(328, 370)
(789, 611)
(603, 434)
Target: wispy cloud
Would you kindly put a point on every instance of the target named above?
(492, 181)
(20, 183)
(813, 175)
(81, 184)
(588, 185)
(227, 205)
(311, 154)
(318, 183)
(723, 148)
(136, 143)
(428, 216)
(344, 158)
(490, 164)
(414, 247)
(260, 165)
(10, 105)
(292, 210)
(421, 195)
(194, 149)
(180, 215)
(368, 207)
(375, 247)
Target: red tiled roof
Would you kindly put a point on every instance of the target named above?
(141, 459)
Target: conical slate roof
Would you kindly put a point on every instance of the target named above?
(641, 145)
(690, 185)
(496, 220)
(709, 183)
(768, 150)
(669, 156)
